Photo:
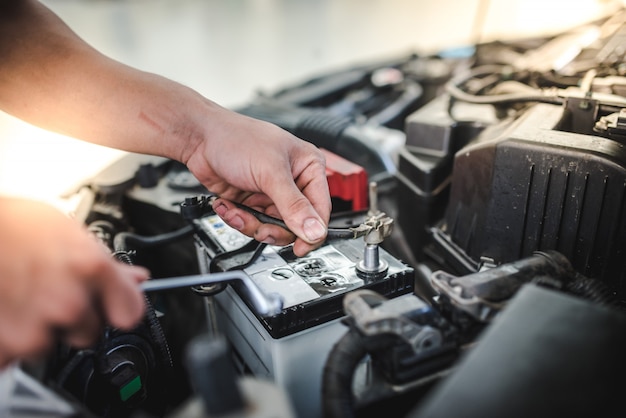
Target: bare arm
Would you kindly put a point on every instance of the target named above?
(52, 78)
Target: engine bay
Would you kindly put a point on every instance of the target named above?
(486, 273)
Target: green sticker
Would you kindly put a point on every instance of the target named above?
(130, 388)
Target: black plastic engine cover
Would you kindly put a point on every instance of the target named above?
(547, 355)
(533, 187)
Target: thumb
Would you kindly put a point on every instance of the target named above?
(307, 220)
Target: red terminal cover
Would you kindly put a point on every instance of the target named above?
(346, 180)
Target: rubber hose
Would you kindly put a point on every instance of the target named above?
(123, 238)
(342, 361)
(593, 290)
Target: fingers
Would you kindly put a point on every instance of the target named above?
(107, 288)
(303, 219)
(74, 312)
(122, 300)
(248, 224)
(57, 281)
(298, 194)
(302, 197)
(259, 159)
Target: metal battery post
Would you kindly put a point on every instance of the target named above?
(376, 228)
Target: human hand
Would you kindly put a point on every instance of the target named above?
(58, 281)
(267, 168)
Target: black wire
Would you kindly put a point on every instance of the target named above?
(332, 233)
(501, 99)
(122, 239)
(453, 88)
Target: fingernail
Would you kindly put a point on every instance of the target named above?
(313, 229)
(220, 209)
(270, 240)
(236, 222)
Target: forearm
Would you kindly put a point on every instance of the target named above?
(51, 78)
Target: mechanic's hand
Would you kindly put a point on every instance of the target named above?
(267, 168)
(58, 281)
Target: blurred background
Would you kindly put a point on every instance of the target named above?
(228, 50)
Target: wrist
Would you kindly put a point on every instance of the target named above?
(195, 126)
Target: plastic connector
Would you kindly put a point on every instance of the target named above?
(195, 207)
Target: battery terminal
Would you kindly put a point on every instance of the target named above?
(374, 230)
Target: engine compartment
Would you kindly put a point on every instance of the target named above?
(504, 171)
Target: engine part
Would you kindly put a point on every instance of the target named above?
(549, 354)
(124, 371)
(221, 392)
(213, 376)
(425, 164)
(406, 340)
(23, 396)
(537, 188)
(484, 294)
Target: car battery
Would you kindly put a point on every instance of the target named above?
(290, 348)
